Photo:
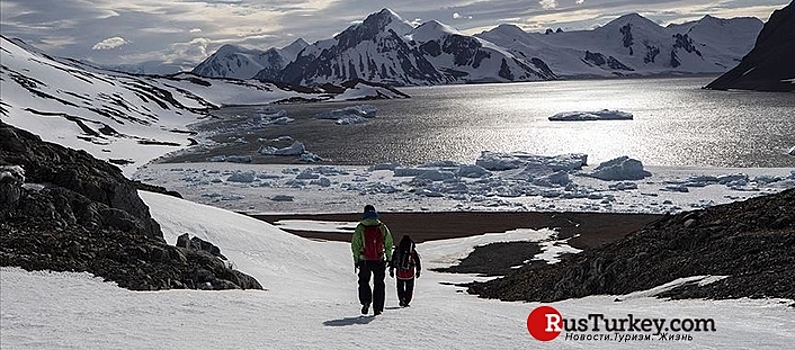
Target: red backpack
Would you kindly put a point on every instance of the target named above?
(373, 243)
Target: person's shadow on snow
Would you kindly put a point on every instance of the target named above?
(349, 321)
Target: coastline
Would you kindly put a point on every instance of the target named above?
(589, 230)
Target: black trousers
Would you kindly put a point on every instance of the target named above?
(377, 294)
(405, 290)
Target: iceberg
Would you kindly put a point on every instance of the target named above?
(619, 169)
(296, 149)
(350, 115)
(244, 177)
(495, 161)
(604, 114)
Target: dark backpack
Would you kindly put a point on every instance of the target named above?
(404, 261)
(373, 243)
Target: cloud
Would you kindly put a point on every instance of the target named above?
(110, 43)
(548, 4)
(196, 49)
(71, 28)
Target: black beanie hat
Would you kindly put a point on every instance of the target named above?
(369, 208)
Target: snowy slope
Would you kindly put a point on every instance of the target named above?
(110, 116)
(237, 62)
(123, 118)
(310, 303)
(634, 45)
(470, 59)
(387, 49)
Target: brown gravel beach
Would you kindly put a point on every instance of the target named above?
(593, 229)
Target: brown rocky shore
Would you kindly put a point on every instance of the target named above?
(750, 242)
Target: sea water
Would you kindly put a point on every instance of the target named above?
(676, 123)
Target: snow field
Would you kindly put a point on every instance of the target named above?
(310, 302)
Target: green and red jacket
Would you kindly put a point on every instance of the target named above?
(358, 241)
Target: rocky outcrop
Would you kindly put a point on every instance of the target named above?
(63, 210)
(751, 242)
(769, 66)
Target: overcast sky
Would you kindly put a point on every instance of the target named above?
(119, 31)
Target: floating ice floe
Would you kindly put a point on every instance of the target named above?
(496, 161)
(508, 181)
(230, 158)
(603, 114)
(384, 166)
(276, 118)
(296, 149)
(243, 176)
(619, 169)
(350, 115)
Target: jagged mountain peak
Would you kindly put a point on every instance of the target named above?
(635, 19)
(388, 13)
(384, 20)
(298, 42)
(432, 30)
(226, 48)
(508, 29)
(290, 52)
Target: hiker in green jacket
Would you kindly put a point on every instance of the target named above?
(372, 250)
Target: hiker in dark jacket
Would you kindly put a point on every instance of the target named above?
(407, 262)
(371, 245)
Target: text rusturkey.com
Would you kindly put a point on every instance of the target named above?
(600, 323)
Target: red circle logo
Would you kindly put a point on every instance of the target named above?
(544, 323)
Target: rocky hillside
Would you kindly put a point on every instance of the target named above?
(750, 242)
(237, 62)
(770, 65)
(384, 48)
(64, 210)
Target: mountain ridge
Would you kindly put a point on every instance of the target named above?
(385, 48)
(238, 62)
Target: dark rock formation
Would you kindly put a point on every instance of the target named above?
(156, 189)
(770, 62)
(751, 242)
(77, 213)
(496, 259)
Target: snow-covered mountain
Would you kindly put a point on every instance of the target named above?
(232, 61)
(384, 48)
(387, 49)
(632, 45)
(118, 117)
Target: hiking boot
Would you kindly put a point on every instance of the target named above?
(365, 309)
(377, 312)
